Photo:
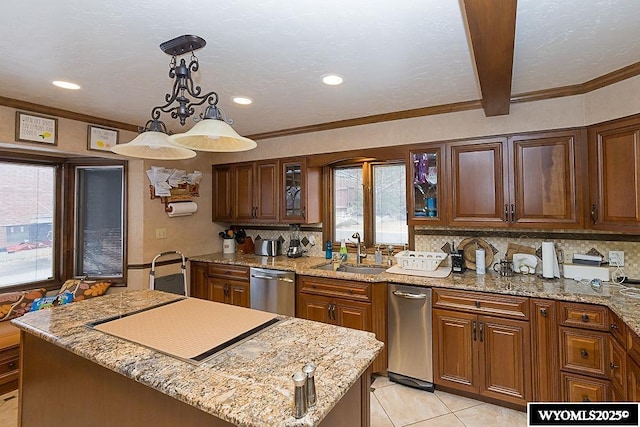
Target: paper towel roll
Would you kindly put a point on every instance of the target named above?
(480, 267)
(182, 209)
(548, 259)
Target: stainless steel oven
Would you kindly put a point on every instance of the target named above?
(273, 291)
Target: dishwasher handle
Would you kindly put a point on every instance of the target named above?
(408, 295)
(283, 279)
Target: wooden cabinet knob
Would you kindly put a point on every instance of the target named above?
(477, 304)
(12, 365)
(584, 354)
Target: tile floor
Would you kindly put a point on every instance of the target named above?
(392, 405)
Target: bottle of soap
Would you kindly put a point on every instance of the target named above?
(378, 255)
(328, 252)
(343, 250)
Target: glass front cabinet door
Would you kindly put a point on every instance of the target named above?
(424, 191)
(293, 191)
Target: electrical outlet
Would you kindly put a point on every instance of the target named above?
(161, 233)
(616, 258)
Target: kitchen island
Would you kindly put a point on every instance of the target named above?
(78, 375)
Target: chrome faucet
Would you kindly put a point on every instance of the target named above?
(359, 247)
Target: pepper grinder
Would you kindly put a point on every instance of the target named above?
(309, 370)
(299, 394)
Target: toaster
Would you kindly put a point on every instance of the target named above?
(268, 247)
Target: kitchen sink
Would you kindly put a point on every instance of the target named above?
(346, 268)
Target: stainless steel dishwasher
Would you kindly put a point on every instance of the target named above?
(273, 291)
(410, 336)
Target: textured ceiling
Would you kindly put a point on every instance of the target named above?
(393, 55)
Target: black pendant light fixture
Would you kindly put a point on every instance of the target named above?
(212, 132)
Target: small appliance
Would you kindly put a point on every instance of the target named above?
(295, 247)
(268, 247)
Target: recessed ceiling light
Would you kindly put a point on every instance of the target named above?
(66, 85)
(332, 79)
(242, 100)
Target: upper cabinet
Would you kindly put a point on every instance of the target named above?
(521, 181)
(301, 197)
(424, 186)
(246, 192)
(478, 183)
(614, 174)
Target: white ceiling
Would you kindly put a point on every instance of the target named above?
(393, 55)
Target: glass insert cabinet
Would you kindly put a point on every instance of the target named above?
(424, 193)
(293, 206)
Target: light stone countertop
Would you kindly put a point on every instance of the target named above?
(626, 307)
(247, 385)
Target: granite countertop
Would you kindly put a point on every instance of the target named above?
(626, 307)
(247, 385)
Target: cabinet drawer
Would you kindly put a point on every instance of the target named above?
(587, 316)
(583, 351)
(9, 364)
(236, 272)
(477, 302)
(576, 388)
(358, 291)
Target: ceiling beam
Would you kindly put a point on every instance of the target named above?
(491, 25)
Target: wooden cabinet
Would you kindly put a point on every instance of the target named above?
(544, 350)
(246, 192)
(477, 183)
(356, 305)
(256, 191)
(301, 196)
(222, 198)
(633, 380)
(425, 195)
(578, 388)
(614, 165)
(478, 352)
(529, 180)
(223, 283)
(9, 368)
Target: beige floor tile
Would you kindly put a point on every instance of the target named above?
(9, 409)
(454, 402)
(379, 417)
(449, 420)
(406, 405)
(486, 415)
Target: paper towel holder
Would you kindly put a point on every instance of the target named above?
(182, 193)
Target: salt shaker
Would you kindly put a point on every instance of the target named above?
(309, 369)
(299, 394)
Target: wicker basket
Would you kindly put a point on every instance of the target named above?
(422, 261)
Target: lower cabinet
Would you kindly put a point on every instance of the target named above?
(581, 388)
(228, 284)
(544, 350)
(9, 368)
(352, 304)
(482, 354)
(633, 380)
(482, 344)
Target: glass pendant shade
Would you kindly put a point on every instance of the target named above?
(212, 135)
(153, 145)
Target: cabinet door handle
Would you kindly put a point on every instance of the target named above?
(481, 332)
(586, 399)
(477, 304)
(543, 312)
(584, 354)
(12, 365)
(506, 213)
(304, 214)
(613, 365)
(333, 311)
(513, 213)
(614, 326)
(474, 330)
(594, 213)
(585, 318)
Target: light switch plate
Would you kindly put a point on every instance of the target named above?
(616, 258)
(161, 233)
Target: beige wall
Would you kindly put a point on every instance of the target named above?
(196, 234)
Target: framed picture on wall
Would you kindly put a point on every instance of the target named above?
(34, 128)
(101, 139)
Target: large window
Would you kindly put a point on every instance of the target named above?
(26, 223)
(369, 198)
(60, 219)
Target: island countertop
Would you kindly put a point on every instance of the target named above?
(626, 306)
(248, 385)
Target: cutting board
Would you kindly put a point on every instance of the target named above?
(440, 272)
(190, 329)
